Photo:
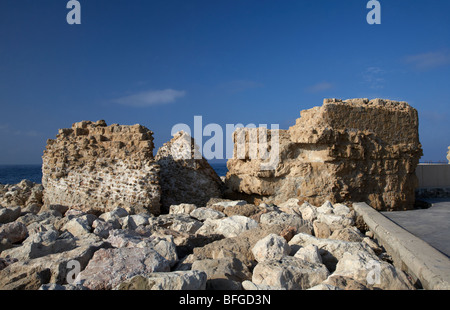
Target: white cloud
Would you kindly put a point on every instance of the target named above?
(151, 98)
(320, 87)
(373, 77)
(428, 61)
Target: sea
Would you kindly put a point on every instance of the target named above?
(13, 174)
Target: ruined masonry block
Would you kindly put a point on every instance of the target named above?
(95, 167)
(344, 151)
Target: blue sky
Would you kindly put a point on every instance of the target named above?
(159, 63)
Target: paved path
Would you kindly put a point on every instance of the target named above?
(432, 225)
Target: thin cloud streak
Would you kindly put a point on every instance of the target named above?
(151, 98)
(429, 61)
(320, 87)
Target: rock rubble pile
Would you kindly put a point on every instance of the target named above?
(225, 245)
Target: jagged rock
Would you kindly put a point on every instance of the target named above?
(351, 234)
(8, 215)
(122, 264)
(229, 227)
(180, 222)
(345, 150)
(321, 230)
(286, 220)
(364, 268)
(223, 273)
(290, 273)
(92, 166)
(42, 244)
(186, 177)
(236, 247)
(22, 194)
(182, 208)
(225, 203)
(270, 247)
(330, 250)
(309, 253)
(114, 214)
(13, 232)
(53, 268)
(80, 226)
(308, 212)
(248, 210)
(203, 213)
(177, 280)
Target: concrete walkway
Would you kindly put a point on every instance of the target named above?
(409, 252)
(431, 225)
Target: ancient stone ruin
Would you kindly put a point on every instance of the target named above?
(184, 178)
(345, 150)
(95, 167)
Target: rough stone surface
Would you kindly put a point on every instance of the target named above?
(177, 280)
(290, 273)
(186, 177)
(271, 247)
(8, 215)
(229, 227)
(351, 150)
(182, 208)
(110, 267)
(92, 166)
(310, 253)
(223, 273)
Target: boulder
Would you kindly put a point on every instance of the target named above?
(321, 230)
(122, 264)
(290, 273)
(330, 250)
(186, 177)
(182, 208)
(163, 245)
(229, 227)
(285, 220)
(42, 244)
(371, 271)
(14, 232)
(309, 253)
(204, 213)
(351, 234)
(8, 215)
(308, 211)
(54, 268)
(223, 273)
(270, 247)
(164, 281)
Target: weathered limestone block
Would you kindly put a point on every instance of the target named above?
(92, 166)
(351, 150)
(186, 177)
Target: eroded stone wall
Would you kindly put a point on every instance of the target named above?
(186, 177)
(92, 166)
(351, 150)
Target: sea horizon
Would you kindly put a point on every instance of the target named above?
(14, 173)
